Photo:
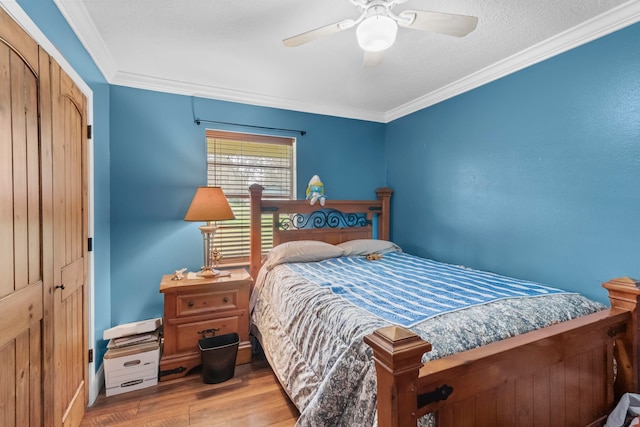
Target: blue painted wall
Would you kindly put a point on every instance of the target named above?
(536, 175)
(158, 158)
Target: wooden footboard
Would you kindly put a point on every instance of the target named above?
(561, 375)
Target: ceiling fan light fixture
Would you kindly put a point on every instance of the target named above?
(376, 33)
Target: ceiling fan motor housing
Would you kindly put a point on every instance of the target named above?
(377, 31)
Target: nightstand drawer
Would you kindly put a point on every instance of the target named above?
(198, 303)
(188, 334)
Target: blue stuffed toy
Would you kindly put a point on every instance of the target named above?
(315, 190)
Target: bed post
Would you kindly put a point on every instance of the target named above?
(384, 195)
(397, 353)
(255, 236)
(624, 293)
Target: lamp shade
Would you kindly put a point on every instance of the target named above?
(209, 204)
(376, 33)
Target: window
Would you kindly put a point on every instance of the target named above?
(234, 162)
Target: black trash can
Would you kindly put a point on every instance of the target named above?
(219, 357)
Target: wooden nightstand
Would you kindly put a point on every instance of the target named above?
(192, 306)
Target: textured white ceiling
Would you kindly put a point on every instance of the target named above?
(232, 49)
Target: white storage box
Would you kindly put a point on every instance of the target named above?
(131, 368)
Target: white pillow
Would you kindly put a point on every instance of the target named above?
(301, 251)
(361, 247)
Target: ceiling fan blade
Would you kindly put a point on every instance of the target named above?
(445, 23)
(318, 32)
(371, 59)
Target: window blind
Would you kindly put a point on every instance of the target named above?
(234, 162)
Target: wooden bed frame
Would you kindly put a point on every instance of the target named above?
(571, 373)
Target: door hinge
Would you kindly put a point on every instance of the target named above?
(90, 244)
(90, 355)
(89, 131)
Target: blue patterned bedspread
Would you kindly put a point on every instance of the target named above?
(405, 290)
(313, 338)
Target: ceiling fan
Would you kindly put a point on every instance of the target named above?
(378, 25)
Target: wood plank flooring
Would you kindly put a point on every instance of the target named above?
(252, 398)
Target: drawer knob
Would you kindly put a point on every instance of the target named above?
(225, 299)
(190, 304)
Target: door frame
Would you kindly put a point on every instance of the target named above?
(14, 10)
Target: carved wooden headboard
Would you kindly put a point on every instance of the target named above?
(335, 222)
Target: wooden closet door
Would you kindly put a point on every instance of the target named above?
(69, 143)
(21, 232)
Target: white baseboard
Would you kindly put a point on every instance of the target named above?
(96, 381)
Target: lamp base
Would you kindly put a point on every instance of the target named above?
(208, 232)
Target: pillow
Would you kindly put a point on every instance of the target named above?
(301, 251)
(360, 247)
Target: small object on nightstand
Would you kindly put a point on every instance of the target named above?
(195, 275)
(179, 274)
(216, 257)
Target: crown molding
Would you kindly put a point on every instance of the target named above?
(81, 23)
(599, 26)
(205, 91)
(83, 26)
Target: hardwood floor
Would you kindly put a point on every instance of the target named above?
(252, 398)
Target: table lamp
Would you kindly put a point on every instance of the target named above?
(209, 204)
